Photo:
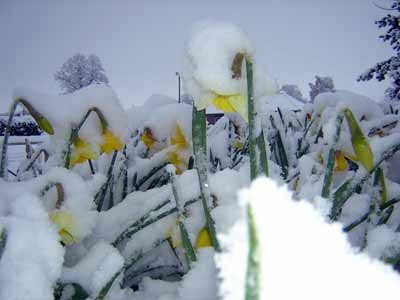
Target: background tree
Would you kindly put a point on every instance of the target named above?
(390, 67)
(321, 85)
(80, 71)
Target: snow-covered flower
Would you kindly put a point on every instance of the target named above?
(147, 138)
(180, 145)
(67, 226)
(211, 76)
(83, 151)
(110, 142)
(214, 77)
(227, 103)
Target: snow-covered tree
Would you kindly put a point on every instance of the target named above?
(293, 91)
(388, 68)
(321, 85)
(80, 71)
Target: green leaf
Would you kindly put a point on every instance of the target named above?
(326, 188)
(253, 275)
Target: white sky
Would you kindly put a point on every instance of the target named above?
(141, 43)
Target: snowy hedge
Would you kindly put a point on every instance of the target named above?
(152, 203)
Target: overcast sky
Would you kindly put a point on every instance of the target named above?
(141, 43)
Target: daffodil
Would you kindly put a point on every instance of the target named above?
(147, 138)
(82, 152)
(227, 103)
(67, 226)
(203, 239)
(180, 143)
(178, 138)
(111, 142)
(341, 163)
(176, 159)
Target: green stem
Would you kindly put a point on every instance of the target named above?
(187, 245)
(253, 276)
(103, 190)
(199, 138)
(251, 117)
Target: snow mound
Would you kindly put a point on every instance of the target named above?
(33, 257)
(360, 105)
(302, 256)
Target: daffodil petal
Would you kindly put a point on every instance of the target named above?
(111, 142)
(147, 138)
(178, 138)
(239, 103)
(222, 103)
(82, 152)
(205, 102)
(67, 226)
(203, 239)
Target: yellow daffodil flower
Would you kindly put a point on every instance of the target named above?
(111, 142)
(147, 138)
(179, 163)
(203, 239)
(341, 163)
(82, 152)
(67, 227)
(227, 103)
(178, 138)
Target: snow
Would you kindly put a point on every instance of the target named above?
(303, 252)
(201, 282)
(360, 105)
(383, 242)
(281, 101)
(96, 269)
(33, 257)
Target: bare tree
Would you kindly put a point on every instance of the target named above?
(80, 71)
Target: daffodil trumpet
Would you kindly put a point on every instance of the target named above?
(67, 226)
(82, 152)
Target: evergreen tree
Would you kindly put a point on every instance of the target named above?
(80, 71)
(390, 67)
